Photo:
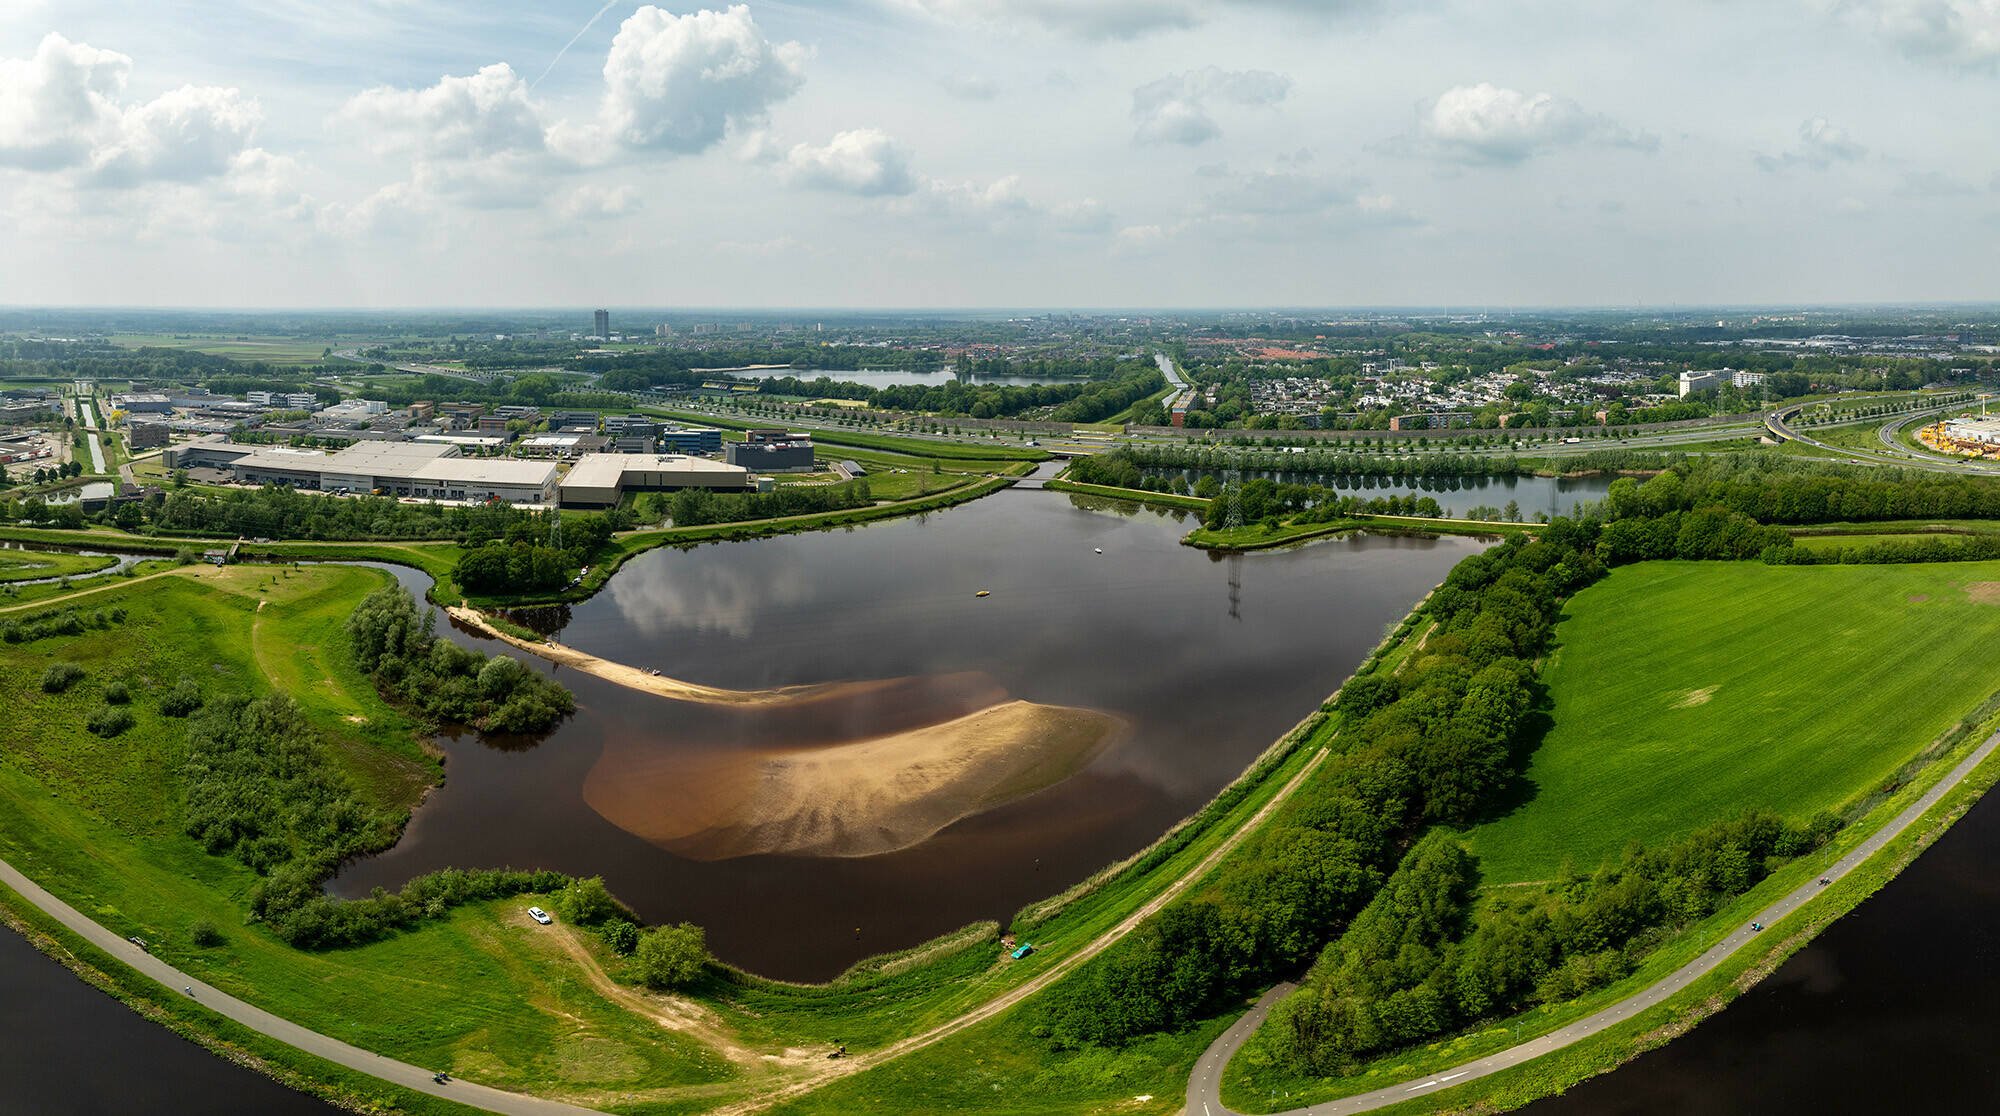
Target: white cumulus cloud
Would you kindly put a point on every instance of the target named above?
(63, 109)
(474, 116)
(1175, 108)
(864, 161)
(679, 83)
(1485, 123)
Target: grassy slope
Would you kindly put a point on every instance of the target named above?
(1876, 661)
(97, 821)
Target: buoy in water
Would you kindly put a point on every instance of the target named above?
(984, 593)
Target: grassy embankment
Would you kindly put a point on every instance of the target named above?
(1670, 715)
(97, 821)
(27, 565)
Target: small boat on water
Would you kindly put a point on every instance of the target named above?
(1097, 550)
(984, 593)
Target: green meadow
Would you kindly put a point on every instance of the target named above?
(1685, 692)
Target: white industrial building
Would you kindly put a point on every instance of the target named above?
(599, 480)
(416, 469)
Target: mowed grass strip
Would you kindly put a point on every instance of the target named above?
(1686, 692)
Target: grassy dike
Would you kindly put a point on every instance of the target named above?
(1558, 1071)
(1613, 700)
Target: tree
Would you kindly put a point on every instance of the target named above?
(672, 956)
(585, 901)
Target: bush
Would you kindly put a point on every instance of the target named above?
(117, 693)
(108, 720)
(585, 902)
(60, 677)
(621, 935)
(204, 934)
(182, 700)
(672, 956)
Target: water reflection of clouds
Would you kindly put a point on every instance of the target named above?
(664, 598)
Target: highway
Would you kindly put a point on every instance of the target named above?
(1204, 1094)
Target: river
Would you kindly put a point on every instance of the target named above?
(1204, 660)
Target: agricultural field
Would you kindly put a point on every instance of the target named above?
(1669, 712)
(272, 350)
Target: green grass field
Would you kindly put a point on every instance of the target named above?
(26, 565)
(98, 822)
(1685, 692)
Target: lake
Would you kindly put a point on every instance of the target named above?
(1196, 662)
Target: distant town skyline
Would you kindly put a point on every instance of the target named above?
(953, 154)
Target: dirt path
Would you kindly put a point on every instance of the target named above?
(676, 1014)
(829, 1070)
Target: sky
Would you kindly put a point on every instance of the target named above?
(980, 153)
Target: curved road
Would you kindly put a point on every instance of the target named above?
(285, 1031)
(1205, 1086)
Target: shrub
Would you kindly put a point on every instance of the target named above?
(108, 720)
(621, 935)
(60, 677)
(182, 700)
(672, 956)
(117, 693)
(204, 934)
(585, 902)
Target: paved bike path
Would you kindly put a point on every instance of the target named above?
(1204, 1095)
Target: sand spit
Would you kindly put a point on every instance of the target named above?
(633, 678)
(862, 798)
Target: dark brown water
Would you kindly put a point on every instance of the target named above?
(1207, 660)
(1890, 1010)
(70, 1049)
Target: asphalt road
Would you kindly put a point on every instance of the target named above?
(1204, 1087)
(263, 1022)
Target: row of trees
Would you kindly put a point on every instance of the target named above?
(692, 507)
(1140, 460)
(283, 513)
(1424, 958)
(1774, 489)
(1432, 744)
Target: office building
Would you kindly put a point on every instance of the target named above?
(603, 325)
(600, 480)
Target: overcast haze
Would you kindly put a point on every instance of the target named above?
(954, 153)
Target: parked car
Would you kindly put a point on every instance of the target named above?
(140, 942)
(539, 915)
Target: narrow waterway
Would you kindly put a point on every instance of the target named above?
(1891, 1009)
(72, 1050)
